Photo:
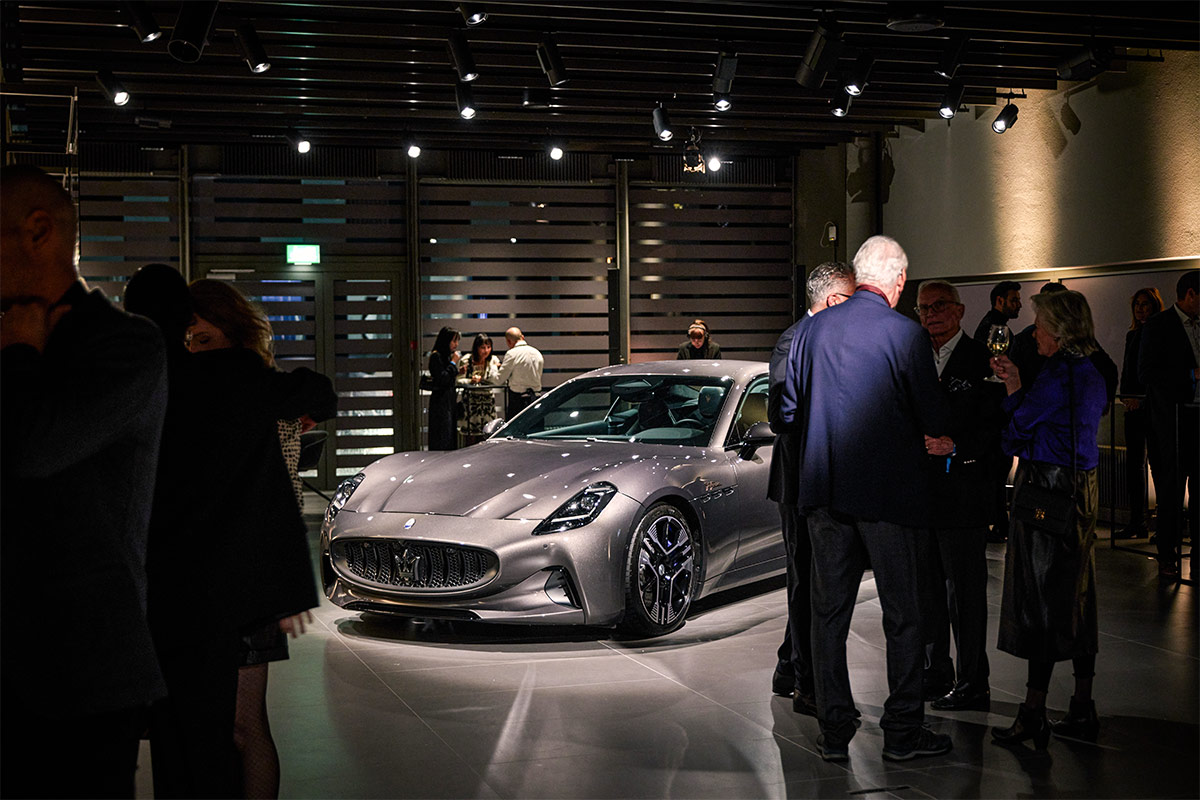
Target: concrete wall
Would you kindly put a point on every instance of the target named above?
(1093, 173)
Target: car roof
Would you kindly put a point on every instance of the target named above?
(740, 371)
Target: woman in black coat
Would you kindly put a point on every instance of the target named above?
(443, 376)
(1144, 304)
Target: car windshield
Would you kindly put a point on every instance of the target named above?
(657, 409)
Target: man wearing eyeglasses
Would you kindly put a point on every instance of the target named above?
(952, 552)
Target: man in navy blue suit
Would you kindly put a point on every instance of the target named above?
(867, 394)
(828, 285)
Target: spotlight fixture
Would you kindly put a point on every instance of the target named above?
(951, 100)
(556, 153)
(722, 102)
(472, 14)
(252, 49)
(414, 150)
(552, 63)
(1005, 119)
(299, 141)
(141, 20)
(856, 79)
(460, 56)
(466, 103)
(192, 26)
(724, 73)
(1085, 64)
(662, 124)
(910, 17)
(714, 164)
(841, 103)
(535, 98)
(693, 159)
(824, 47)
(951, 57)
(152, 123)
(112, 88)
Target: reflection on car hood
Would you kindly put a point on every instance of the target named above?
(505, 478)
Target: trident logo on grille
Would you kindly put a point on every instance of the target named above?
(405, 566)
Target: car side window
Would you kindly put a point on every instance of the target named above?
(753, 409)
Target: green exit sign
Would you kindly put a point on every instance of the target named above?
(302, 255)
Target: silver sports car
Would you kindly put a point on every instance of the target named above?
(618, 498)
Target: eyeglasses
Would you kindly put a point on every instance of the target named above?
(843, 295)
(936, 307)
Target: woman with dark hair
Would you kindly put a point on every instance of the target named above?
(1048, 607)
(699, 344)
(1144, 304)
(479, 369)
(443, 376)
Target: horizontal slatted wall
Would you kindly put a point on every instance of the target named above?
(535, 257)
(364, 363)
(126, 223)
(720, 254)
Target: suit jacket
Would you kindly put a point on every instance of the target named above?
(962, 488)
(992, 317)
(81, 424)
(785, 452)
(1166, 361)
(868, 392)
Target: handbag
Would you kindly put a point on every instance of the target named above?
(1051, 511)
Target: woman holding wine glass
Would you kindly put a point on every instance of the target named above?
(1048, 607)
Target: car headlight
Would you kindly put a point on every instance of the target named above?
(579, 510)
(342, 495)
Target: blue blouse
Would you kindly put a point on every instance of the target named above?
(1040, 423)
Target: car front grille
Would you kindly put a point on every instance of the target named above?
(415, 565)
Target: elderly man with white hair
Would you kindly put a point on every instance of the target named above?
(867, 395)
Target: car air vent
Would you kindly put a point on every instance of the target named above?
(415, 565)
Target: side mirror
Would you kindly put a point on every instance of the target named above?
(759, 435)
(492, 427)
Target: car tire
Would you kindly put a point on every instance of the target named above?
(662, 572)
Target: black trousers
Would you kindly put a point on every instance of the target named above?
(841, 546)
(1179, 458)
(796, 649)
(516, 402)
(952, 570)
(1138, 445)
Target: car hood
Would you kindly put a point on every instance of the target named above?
(508, 478)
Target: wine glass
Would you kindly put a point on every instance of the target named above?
(998, 339)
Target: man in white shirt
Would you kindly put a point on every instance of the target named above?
(521, 371)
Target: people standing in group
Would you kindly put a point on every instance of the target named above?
(443, 402)
(1169, 366)
(1144, 304)
(1048, 607)
(828, 285)
(699, 344)
(1006, 306)
(867, 395)
(83, 394)
(480, 369)
(520, 372)
(952, 553)
(1026, 356)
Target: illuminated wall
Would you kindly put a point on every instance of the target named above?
(1094, 173)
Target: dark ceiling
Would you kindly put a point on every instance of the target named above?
(376, 74)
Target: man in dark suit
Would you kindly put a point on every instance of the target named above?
(1167, 365)
(828, 285)
(867, 394)
(84, 393)
(952, 553)
(1006, 306)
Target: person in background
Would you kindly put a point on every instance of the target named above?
(699, 343)
(443, 404)
(1144, 304)
(1048, 607)
(232, 339)
(83, 393)
(521, 372)
(479, 369)
(1169, 366)
(828, 285)
(1006, 306)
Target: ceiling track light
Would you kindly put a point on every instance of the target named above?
(824, 47)
(465, 100)
(722, 102)
(299, 141)
(112, 88)
(413, 150)
(724, 73)
(951, 100)
(1085, 64)
(141, 20)
(556, 152)
(252, 49)
(472, 13)
(662, 124)
(841, 103)
(860, 73)
(952, 57)
(714, 164)
(192, 26)
(1006, 118)
(460, 56)
(552, 63)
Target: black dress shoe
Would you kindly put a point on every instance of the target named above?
(783, 683)
(804, 703)
(1029, 724)
(935, 685)
(964, 697)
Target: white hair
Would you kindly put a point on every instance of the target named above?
(880, 261)
(945, 286)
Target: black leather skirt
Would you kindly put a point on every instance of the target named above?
(1048, 609)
